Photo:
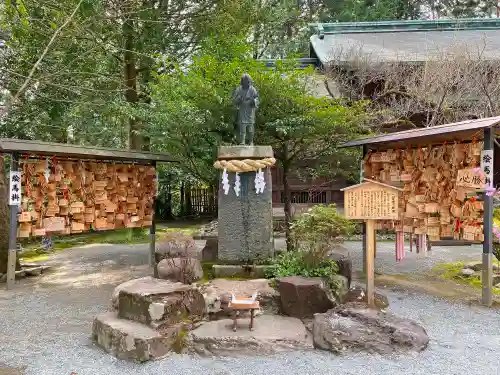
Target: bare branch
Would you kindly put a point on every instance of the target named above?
(26, 82)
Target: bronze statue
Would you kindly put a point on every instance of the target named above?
(246, 99)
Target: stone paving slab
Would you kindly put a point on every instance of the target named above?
(271, 334)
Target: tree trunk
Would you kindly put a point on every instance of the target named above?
(288, 199)
(4, 221)
(182, 204)
(188, 201)
(135, 140)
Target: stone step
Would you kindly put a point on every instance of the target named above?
(160, 303)
(126, 339)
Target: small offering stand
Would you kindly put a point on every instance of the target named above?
(432, 183)
(58, 189)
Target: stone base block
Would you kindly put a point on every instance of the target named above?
(254, 272)
(126, 339)
(160, 303)
(244, 152)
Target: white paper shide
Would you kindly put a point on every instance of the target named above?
(225, 182)
(237, 185)
(260, 182)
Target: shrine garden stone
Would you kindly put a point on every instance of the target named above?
(152, 317)
(359, 328)
(302, 297)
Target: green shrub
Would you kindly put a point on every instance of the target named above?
(318, 230)
(314, 234)
(296, 263)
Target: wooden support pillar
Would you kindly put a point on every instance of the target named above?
(487, 268)
(361, 176)
(370, 262)
(11, 260)
(152, 235)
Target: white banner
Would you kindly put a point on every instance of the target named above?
(15, 188)
(487, 166)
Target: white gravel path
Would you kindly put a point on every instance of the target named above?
(45, 326)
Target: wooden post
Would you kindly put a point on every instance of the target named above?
(11, 262)
(361, 176)
(370, 262)
(152, 235)
(487, 267)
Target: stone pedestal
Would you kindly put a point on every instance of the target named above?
(246, 219)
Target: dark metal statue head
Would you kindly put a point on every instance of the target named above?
(246, 81)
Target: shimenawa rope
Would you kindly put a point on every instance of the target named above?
(246, 165)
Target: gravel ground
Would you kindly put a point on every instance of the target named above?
(46, 326)
(385, 262)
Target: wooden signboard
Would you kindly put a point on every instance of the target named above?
(371, 200)
(468, 178)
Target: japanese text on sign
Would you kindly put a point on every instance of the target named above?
(487, 166)
(469, 178)
(371, 202)
(15, 188)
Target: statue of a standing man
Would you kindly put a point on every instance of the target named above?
(246, 99)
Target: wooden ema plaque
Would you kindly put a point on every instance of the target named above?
(371, 200)
(469, 178)
(75, 196)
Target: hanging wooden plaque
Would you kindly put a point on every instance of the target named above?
(469, 178)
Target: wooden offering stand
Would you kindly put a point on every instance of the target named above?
(244, 303)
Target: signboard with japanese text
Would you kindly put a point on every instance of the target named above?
(15, 188)
(487, 166)
(470, 178)
(370, 200)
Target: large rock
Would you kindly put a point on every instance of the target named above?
(271, 334)
(126, 339)
(160, 303)
(217, 294)
(345, 265)
(359, 328)
(176, 245)
(358, 295)
(339, 286)
(184, 270)
(303, 297)
(210, 251)
(127, 284)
